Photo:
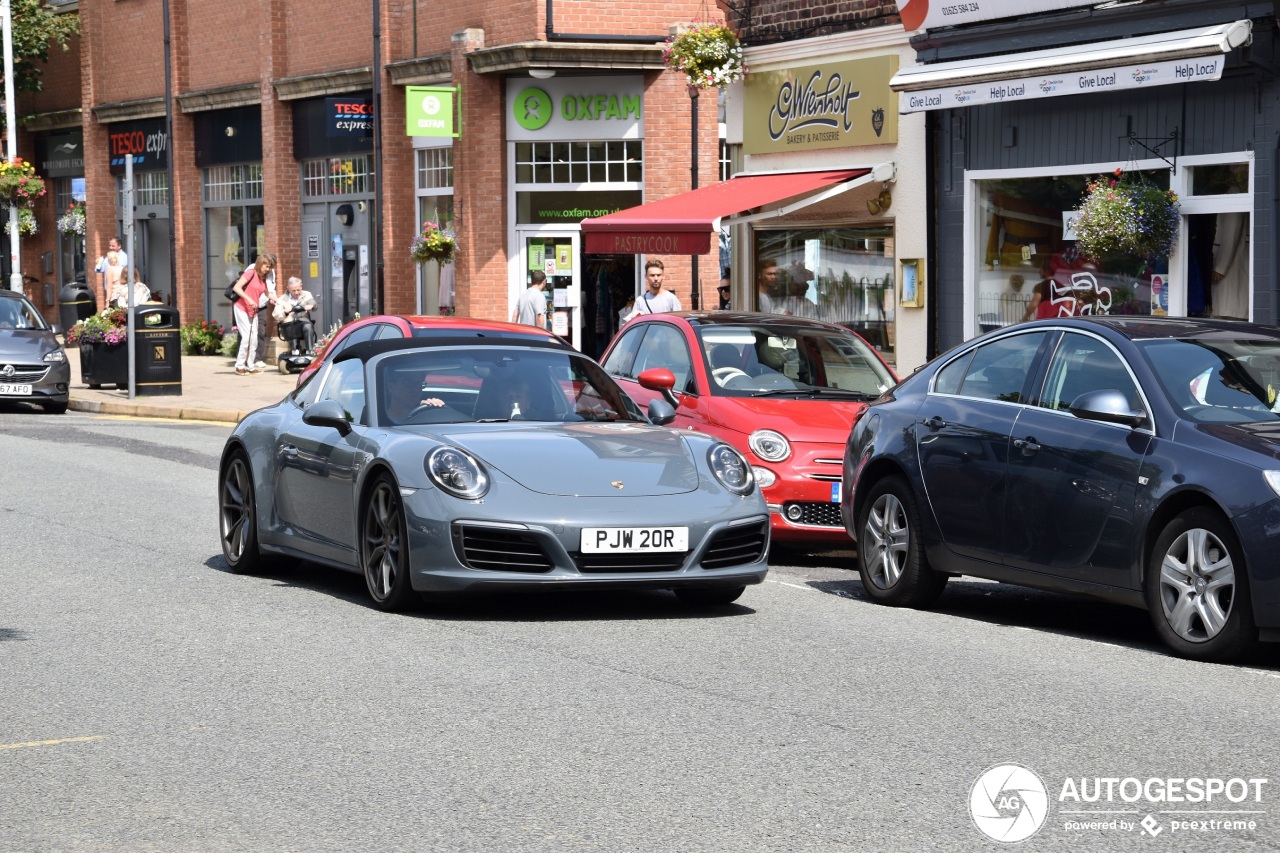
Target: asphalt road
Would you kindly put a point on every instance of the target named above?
(150, 701)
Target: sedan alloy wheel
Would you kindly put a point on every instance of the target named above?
(891, 557)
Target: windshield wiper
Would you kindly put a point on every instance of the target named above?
(813, 392)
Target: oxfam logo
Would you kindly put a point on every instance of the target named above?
(430, 105)
(533, 109)
(1008, 803)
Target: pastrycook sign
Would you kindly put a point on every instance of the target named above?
(832, 105)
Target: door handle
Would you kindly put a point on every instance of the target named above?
(935, 422)
(288, 450)
(1027, 445)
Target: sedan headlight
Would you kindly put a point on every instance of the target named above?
(56, 355)
(457, 473)
(1273, 480)
(769, 445)
(731, 469)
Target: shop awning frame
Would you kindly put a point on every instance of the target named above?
(685, 224)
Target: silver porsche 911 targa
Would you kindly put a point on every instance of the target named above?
(478, 462)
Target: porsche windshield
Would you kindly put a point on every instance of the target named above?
(497, 384)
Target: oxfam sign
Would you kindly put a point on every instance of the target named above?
(576, 108)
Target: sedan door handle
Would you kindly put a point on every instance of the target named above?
(1027, 445)
(935, 422)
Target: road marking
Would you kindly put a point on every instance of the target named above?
(792, 585)
(51, 742)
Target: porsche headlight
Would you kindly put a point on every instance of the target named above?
(457, 473)
(769, 445)
(55, 355)
(731, 469)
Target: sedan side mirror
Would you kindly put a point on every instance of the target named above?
(660, 379)
(1108, 405)
(661, 412)
(327, 413)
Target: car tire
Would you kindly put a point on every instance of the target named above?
(384, 551)
(1197, 588)
(237, 517)
(709, 596)
(891, 559)
(55, 408)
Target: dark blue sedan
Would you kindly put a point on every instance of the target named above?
(1132, 459)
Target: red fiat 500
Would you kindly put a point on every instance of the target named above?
(783, 390)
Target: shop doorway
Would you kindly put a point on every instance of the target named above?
(1218, 253)
(556, 253)
(610, 293)
(337, 258)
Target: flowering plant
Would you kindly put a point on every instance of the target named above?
(201, 337)
(326, 339)
(109, 327)
(433, 244)
(19, 183)
(27, 223)
(709, 54)
(1121, 215)
(71, 223)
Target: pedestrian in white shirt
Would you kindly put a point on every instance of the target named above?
(654, 300)
(531, 307)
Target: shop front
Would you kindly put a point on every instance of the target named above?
(61, 158)
(229, 156)
(1133, 103)
(147, 143)
(576, 150)
(333, 142)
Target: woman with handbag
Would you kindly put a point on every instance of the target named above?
(252, 295)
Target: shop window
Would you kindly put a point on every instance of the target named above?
(435, 168)
(325, 177)
(1220, 179)
(240, 182)
(837, 275)
(595, 162)
(149, 188)
(1028, 264)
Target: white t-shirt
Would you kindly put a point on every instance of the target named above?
(664, 303)
(531, 308)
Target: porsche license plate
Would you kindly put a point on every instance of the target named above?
(11, 390)
(634, 540)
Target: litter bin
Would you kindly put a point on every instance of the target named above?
(75, 302)
(157, 350)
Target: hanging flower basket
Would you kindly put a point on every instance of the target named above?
(433, 244)
(71, 223)
(1121, 215)
(710, 55)
(19, 183)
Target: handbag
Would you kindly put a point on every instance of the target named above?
(230, 292)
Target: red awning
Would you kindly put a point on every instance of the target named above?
(684, 224)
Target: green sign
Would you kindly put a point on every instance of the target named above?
(429, 110)
(533, 109)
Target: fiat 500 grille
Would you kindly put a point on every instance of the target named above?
(736, 546)
(25, 373)
(496, 550)
(818, 513)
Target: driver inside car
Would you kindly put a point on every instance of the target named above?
(404, 397)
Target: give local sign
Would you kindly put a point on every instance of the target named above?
(575, 108)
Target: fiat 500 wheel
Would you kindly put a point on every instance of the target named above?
(384, 548)
(891, 557)
(1198, 588)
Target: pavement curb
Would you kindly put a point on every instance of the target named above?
(179, 413)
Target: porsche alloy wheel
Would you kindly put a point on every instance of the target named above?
(1197, 588)
(384, 552)
(891, 557)
(237, 523)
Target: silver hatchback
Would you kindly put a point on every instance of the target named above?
(33, 365)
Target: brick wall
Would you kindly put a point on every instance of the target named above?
(782, 20)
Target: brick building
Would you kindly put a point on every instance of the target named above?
(284, 134)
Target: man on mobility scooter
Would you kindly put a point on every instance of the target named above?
(293, 314)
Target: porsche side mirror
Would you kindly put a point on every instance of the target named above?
(327, 413)
(660, 379)
(1108, 405)
(661, 412)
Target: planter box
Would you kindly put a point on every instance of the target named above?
(104, 365)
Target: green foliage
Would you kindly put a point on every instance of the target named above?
(230, 344)
(1127, 216)
(201, 337)
(109, 327)
(36, 28)
(709, 54)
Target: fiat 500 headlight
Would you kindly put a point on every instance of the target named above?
(457, 473)
(769, 445)
(731, 469)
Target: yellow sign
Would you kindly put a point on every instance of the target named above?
(832, 105)
(314, 269)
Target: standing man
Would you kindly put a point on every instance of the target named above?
(122, 260)
(531, 308)
(655, 300)
(766, 282)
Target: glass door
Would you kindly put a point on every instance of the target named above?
(555, 253)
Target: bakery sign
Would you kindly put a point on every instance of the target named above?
(830, 105)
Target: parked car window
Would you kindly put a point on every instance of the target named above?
(746, 359)
(1082, 365)
(1223, 381)
(664, 346)
(623, 355)
(345, 383)
(387, 330)
(995, 371)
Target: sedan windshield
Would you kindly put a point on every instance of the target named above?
(748, 360)
(1219, 380)
(487, 385)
